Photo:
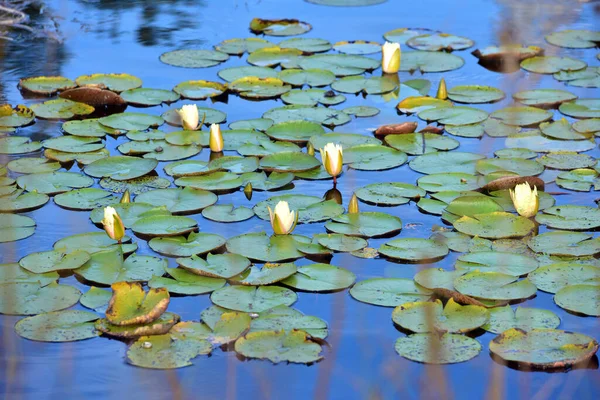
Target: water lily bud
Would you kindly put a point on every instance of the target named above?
(525, 200)
(113, 225)
(216, 138)
(353, 205)
(126, 198)
(248, 191)
(442, 93)
(189, 117)
(390, 57)
(310, 149)
(332, 158)
(283, 221)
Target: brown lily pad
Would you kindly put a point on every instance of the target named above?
(396, 129)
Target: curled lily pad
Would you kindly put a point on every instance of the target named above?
(422, 317)
(552, 64)
(166, 351)
(199, 89)
(130, 305)
(179, 201)
(259, 246)
(241, 46)
(582, 299)
(570, 217)
(31, 298)
(54, 182)
(526, 319)
(311, 77)
(574, 38)
(293, 346)
(186, 283)
(180, 246)
(216, 265)
(60, 109)
(581, 108)
(252, 299)
(494, 286)
(439, 42)
(193, 58)
(388, 292)
(159, 326)
(58, 326)
(430, 348)
(414, 250)
(279, 27)
(48, 261)
(389, 194)
(429, 61)
(320, 278)
(339, 64)
(495, 225)
(553, 277)
(543, 348)
(309, 208)
(18, 145)
(253, 87)
(227, 213)
(365, 224)
(473, 94)
(120, 168)
(46, 85)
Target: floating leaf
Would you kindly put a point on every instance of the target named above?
(429, 61)
(439, 42)
(259, 246)
(216, 265)
(429, 348)
(215, 181)
(526, 319)
(312, 97)
(497, 261)
(18, 145)
(48, 261)
(345, 140)
(235, 73)
(459, 115)
(311, 77)
(96, 298)
(495, 225)
(436, 163)
(388, 292)
(474, 94)
(306, 45)
(159, 326)
(274, 56)
(227, 213)
(581, 108)
(365, 224)
(268, 274)
(186, 283)
(320, 278)
(31, 298)
(389, 193)
(582, 299)
(279, 27)
(564, 243)
(252, 87)
(553, 277)
(193, 58)
(283, 318)
(552, 64)
(414, 250)
(13, 273)
(575, 38)
(570, 217)
(252, 299)
(494, 286)
(401, 35)
(179, 201)
(240, 46)
(199, 89)
(60, 109)
(421, 143)
(359, 84)
(166, 351)
(372, 157)
(180, 246)
(325, 116)
(339, 64)
(58, 326)
(46, 85)
(293, 346)
(309, 208)
(543, 98)
(18, 201)
(295, 131)
(15, 117)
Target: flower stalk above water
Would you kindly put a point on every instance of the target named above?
(283, 220)
(216, 139)
(525, 200)
(113, 225)
(189, 117)
(332, 158)
(390, 58)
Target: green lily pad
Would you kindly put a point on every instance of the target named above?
(235, 164)
(258, 124)
(15, 117)
(73, 144)
(429, 61)
(49, 261)
(359, 84)
(430, 348)
(359, 47)
(494, 286)
(495, 225)
(309, 208)
(421, 143)
(283, 318)
(320, 278)
(234, 73)
(18, 145)
(389, 193)
(422, 317)
(475, 94)
(295, 131)
(130, 121)
(564, 243)
(434, 278)
(199, 89)
(439, 162)
(496, 261)
(51, 183)
(193, 58)
(522, 116)
(459, 115)
(46, 85)
(160, 150)
(543, 98)
(268, 274)
(21, 202)
(61, 109)
(31, 298)
(108, 266)
(439, 42)
(274, 56)
(240, 46)
(414, 250)
(581, 299)
(166, 351)
(293, 347)
(581, 108)
(179, 201)
(454, 181)
(581, 180)
(253, 299)
(526, 319)
(216, 265)
(261, 182)
(149, 97)
(186, 283)
(324, 116)
(339, 64)
(591, 125)
(120, 168)
(361, 111)
(365, 224)
(159, 326)
(188, 168)
(80, 158)
(311, 77)
(260, 247)
(346, 140)
(340, 242)
(388, 292)
(306, 45)
(14, 273)
(552, 64)
(227, 213)
(516, 165)
(312, 97)
(543, 348)
(87, 128)
(534, 141)
(58, 326)
(96, 298)
(129, 212)
(562, 130)
(252, 87)
(401, 35)
(416, 104)
(288, 162)
(114, 82)
(551, 278)
(215, 181)
(574, 38)
(279, 27)
(570, 217)
(180, 246)
(371, 157)
(587, 78)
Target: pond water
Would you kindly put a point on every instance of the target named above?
(85, 37)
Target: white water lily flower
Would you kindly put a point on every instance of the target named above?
(113, 225)
(216, 138)
(332, 158)
(390, 57)
(525, 200)
(283, 221)
(189, 117)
